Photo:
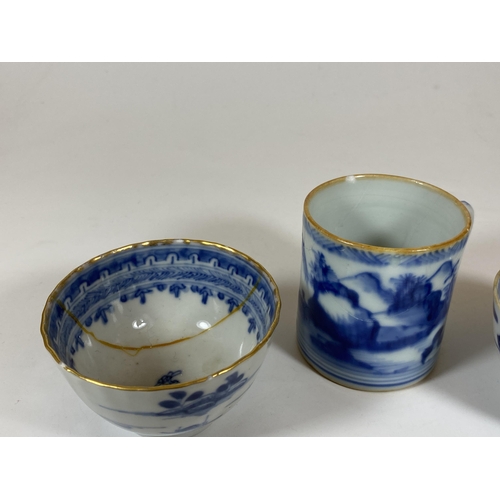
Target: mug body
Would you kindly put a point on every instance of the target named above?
(380, 256)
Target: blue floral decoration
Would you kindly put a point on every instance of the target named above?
(183, 403)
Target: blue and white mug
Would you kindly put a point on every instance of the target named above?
(380, 256)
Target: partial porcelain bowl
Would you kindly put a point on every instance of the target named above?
(162, 337)
(496, 310)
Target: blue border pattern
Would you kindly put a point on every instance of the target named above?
(177, 268)
(379, 258)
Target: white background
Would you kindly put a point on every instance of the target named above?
(96, 156)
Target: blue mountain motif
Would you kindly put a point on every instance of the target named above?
(418, 306)
(371, 284)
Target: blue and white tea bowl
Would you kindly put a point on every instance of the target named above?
(380, 256)
(496, 310)
(162, 337)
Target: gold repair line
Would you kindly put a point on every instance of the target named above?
(139, 349)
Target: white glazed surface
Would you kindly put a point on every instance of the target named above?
(201, 349)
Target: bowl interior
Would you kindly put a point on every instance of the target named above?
(160, 313)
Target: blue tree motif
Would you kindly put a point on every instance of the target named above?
(141, 292)
(176, 289)
(203, 291)
(320, 270)
(101, 313)
(232, 303)
(411, 290)
(245, 310)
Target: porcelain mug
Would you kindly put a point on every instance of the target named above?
(380, 256)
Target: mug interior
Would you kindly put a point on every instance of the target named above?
(387, 211)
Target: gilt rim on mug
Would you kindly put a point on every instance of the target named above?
(373, 248)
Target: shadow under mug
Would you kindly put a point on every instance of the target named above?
(380, 256)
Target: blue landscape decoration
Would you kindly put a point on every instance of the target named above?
(374, 328)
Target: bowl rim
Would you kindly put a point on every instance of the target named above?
(378, 249)
(496, 282)
(150, 243)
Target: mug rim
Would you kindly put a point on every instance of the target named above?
(394, 250)
(151, 243)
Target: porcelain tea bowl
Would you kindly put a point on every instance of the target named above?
(380, 257)
(162, 337)
(496, 310)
